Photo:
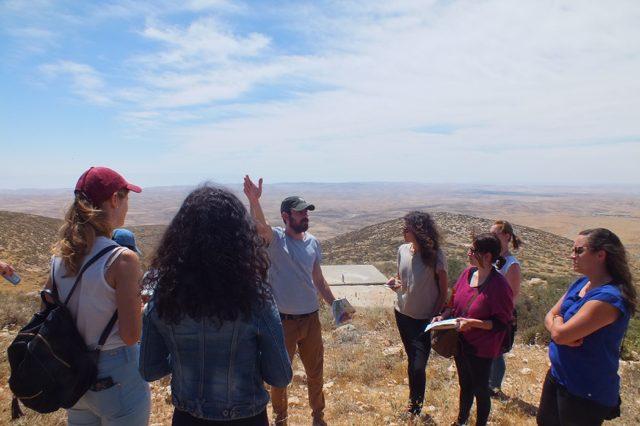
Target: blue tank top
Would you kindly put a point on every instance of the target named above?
(590, 371)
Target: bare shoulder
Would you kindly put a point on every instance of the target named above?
(125, 269)
(127, 259)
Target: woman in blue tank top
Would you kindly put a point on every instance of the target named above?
(587, 326)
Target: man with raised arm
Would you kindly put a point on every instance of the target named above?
(296, 278)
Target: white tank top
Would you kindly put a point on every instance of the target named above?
(94, 301)
(509, 260)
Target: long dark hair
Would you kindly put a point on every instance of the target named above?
(211, 263)
(616, 262)
(421, 224)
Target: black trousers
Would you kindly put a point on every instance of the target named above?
(559, 408)
(473, 377)
(182, 418)
(417, 345)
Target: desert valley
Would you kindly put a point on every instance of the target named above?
(360, 224)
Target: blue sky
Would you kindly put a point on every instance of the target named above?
(177, 92)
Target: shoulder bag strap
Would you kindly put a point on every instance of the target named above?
(466, 308)
(473, 299)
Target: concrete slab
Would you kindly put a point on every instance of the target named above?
(353, 275)
(368, 296)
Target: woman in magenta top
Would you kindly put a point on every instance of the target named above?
(483, 305)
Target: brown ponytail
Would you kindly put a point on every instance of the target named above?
(506, 228)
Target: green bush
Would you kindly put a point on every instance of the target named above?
(456, 266)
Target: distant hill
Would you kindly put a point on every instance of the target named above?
(26, 241)
(542, 253)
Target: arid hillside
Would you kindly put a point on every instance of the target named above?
(26, 241)
(542, 254)
(365, 368)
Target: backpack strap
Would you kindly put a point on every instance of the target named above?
(114, 317)
(79, 276)
(107, 330)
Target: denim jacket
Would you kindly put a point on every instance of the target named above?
(217, 371)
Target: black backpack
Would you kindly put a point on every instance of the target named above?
(50, 364)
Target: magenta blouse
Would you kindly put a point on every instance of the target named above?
(494, 302)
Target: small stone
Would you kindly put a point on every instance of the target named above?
(299, 376)
(393, 350)
(525, 371)
(294, 400)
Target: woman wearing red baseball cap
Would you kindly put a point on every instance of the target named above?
(120, 396)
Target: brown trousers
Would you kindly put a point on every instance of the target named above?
(305, 334)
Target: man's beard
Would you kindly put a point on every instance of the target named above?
(299, 227)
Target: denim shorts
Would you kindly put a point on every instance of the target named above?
(124, 400)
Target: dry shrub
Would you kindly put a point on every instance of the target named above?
(365, 387)
(17, 309)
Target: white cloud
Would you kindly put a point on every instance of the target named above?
(351, 84)
(203, 42)
(85, 81)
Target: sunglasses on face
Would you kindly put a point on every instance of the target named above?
(473, 250)
(579, 250)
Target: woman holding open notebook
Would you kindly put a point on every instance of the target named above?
(482, 306)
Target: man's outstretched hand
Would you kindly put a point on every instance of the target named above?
(251, 190)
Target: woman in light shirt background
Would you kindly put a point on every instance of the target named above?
(421, 288)
(510, 269)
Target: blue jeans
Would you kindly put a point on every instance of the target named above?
(126, 402)
(498, 369)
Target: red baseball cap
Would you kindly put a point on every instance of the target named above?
(99, 183)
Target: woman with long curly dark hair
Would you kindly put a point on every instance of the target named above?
(211, 321)
(421, 288)
(587, 326)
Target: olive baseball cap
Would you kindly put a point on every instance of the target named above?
(295, 203)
